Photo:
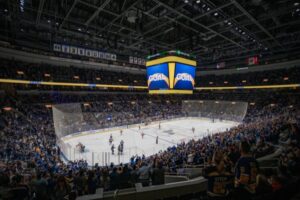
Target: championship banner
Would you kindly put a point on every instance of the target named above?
(83, 52)
(252, 60)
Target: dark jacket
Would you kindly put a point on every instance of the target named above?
(158, 176)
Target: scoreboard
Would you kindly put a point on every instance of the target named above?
(171, 75)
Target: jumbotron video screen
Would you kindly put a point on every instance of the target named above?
(170, 77)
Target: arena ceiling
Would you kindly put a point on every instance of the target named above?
(213, 30)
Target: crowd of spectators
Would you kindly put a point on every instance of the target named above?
(279, 76)
(31, 165)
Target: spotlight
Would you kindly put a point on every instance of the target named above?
(229, 23)
(198, 1)
(297, 10)
(296, 4)
(204, 5)
(216, 14)
(208, 9)
(5, 10)
(243, 33)
(186, 1)
(79, 29)
(49, 21)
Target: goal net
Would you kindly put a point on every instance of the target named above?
(224, 110)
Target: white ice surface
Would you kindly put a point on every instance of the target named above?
(171, 133)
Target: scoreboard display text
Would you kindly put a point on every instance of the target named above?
(171, 75)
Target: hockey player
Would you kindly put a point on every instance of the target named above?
(156, 140)
(113, 149)
(120, 149)
(193, 129)
(159, 126)
(142, 134)
(110, 139)
(121, 132)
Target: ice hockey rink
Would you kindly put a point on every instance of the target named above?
(172, 132)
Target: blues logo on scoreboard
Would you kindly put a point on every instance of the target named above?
(171, 74)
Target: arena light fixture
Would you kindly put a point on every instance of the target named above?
(296, 4)
(48, 106)
(135, 81)
(120, 80)
(7, 108)
(198, 1)
(76, 77)
(216, 14)
(5, 10)
(286, 78)
(225, 82)
(98, 78)
(47, 75)
(244, 81)
(20, 72)
(252, 103)
(22, 4)
(210, 83)
(265, 80)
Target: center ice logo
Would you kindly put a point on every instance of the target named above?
(158, 77)
(184, 77)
